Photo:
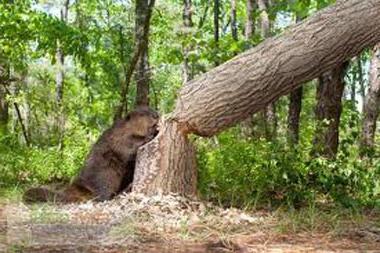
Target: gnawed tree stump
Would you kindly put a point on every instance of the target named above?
(246, 84)
(166, 164)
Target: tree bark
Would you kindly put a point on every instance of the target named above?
(269, 113)
(60, 81)
(247, 126)
(4, 107)
(371, 104)
(327, 112)
(143, 11)
(250, 23)
(246, 84)
(187, 73)
(234, 27)
(216, 30)
(4, 114)
(294, 113)
(142, 75)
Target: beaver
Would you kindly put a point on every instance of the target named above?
(109, 167)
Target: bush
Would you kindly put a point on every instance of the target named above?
(238, 172)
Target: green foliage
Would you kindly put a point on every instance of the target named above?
(241, 172)
(98, 41)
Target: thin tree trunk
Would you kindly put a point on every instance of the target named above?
(19, 117)
(142, 75)
(247, 124)
(4, 108)
(269, 113)
(187, 74)
(327, 112)
(204, 16)
(143, 79)
(361, 79)
(250, 23)
(371, 104)
(353, 92)
(60, 81)
(246, 84)
(4, 114)
(234, 27)
(294, 113)
(143, 14)
(216, 30)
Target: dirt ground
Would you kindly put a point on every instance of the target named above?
(174, 224)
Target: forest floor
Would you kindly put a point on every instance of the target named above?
(135, 223)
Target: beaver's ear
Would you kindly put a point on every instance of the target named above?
(128, 117)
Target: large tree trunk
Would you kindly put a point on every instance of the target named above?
(294, 112)
(327, 112)
(372, 103)
(249, 82)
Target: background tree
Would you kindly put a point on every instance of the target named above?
(371, 104)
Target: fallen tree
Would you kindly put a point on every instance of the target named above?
(244, 85)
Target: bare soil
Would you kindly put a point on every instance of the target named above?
(135, 223)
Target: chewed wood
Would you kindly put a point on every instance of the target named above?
(166, 164)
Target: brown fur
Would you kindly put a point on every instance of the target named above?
(109, 167)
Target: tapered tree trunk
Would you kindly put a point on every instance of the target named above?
(248, 83)
(143, 79)
(234, 27)
(142, 72)
(327, 112)
(247, 124)
(269, 113)
(250, 23)
(216, 30)
(4, 108)
(187, 73)
(143, 14)
(60, 81)
(371, 104)
(294, 113)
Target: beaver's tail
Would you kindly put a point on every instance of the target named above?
(42, 194)
(69, 194)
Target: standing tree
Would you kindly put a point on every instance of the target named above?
(143, 13)
(143, 10)
(270, 117)
(249, 82)
(216, 30)
(60, 79)
(250, 23)
(188, 24)
(328, 110)
(4, 114)
(234, 26)
(294, 113)
(371, 103)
